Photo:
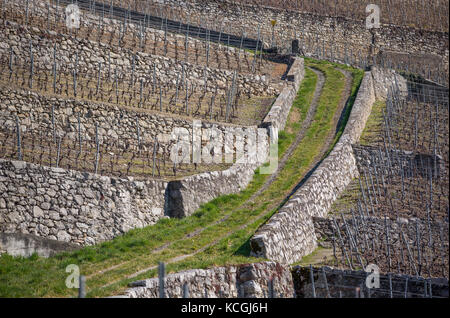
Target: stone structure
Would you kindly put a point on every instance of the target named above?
(279, 112)
(339, 39)
(35, 113)
(402, 162)
(332, 37)
(252, 281)
(85, 208)
(18, 244)
(71, 206)
(114, 123)
(375, 227)
(186, 195)
(289, 234)
(90, 54)
(344, 283)
(99, 208)
(249, 281)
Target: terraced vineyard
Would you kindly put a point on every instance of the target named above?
(126, 77)
(218, 233)
(138, 143)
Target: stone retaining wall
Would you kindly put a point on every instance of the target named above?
(35, 114)
(86, 209)
(71, 206)
(375, 228)
(90, 54)
(343, 283)
(252, 281)
(186, 195)
(249, 281)
(316, 32)
(279, 112)
(289, 234)
(18, 244)
(401, 162)
(114, 123)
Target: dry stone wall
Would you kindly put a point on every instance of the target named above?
(339, 39)
(75, 207)
(185, 196)
(249, 281)
(279, 112)
(252, 280)
(86, 209)
(18, 244)
(120, 28)
(401, 162)
(375, 227)
(342, 283)
(35, 113)
(289, 234)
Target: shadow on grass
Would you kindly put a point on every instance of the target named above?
(244, 249)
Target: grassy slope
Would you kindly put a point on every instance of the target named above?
(373, 129)
(299, 109)
(37, 276)
(357, 76)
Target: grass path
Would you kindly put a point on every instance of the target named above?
(251, 225)
(306, 123)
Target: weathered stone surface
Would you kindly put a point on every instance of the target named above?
(18, 244)
(341, 37)
(375, 227)
(336, 278)
(108, 117)
(186, 195)
(37, 212)
(116, 58)
(405, 160)
(249, 281)
(132, 204)
(79, 221)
